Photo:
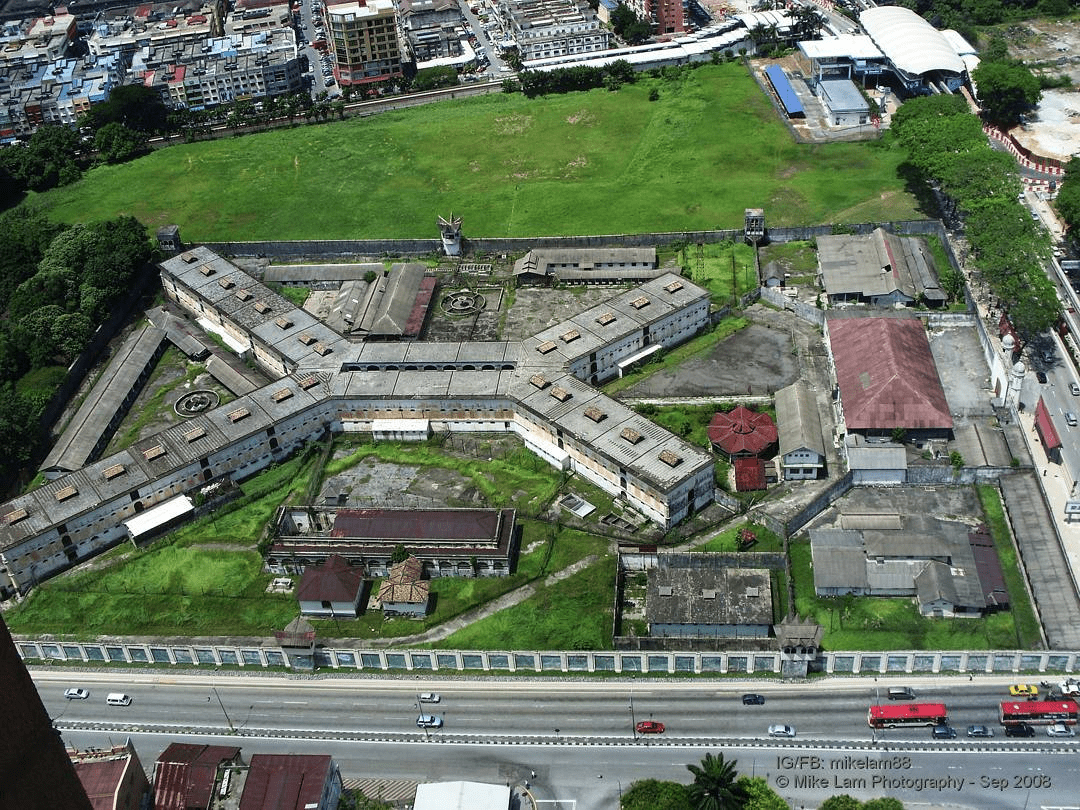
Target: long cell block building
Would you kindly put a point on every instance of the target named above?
(540, 388)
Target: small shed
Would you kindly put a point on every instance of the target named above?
(403, 592)
(749, 474)
(802, 448)
(331, 590)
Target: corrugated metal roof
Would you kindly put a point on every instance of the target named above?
(333, 581)
(184, 774)
(749, 474)
(101, 780)
(286, 781)
(886, 374)
(798, 419)
(1045, 425)
(460, 525)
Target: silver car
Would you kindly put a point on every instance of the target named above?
(782, 731)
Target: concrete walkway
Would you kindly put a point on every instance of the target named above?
(514, 597)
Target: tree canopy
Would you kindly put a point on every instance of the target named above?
(135, 106)
(980, 186)
(57, 284)
(1068, 198)
(1006, 90)
(715, 785)
(652, 794)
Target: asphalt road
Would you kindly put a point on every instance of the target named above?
(578, 736)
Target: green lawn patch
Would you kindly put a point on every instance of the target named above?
(168, 591)
(181, 584)
(799, 260)
(571, 614)
(38, 384)
(725, 269)
(728, 540)
(579, 163)
(296, 295)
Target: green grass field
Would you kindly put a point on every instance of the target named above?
(572, 614)
(725, 269)
(581, 163)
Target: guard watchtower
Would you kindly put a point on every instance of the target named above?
(450, 229)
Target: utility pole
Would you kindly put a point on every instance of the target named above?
(633, 724)
(232, 729)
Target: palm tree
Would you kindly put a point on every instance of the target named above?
(714, 786)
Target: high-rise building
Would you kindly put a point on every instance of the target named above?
(364, 39)
(35, 772)
(669, 16)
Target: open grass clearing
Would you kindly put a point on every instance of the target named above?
(580, 163)
(518, 479)
(728, 540)
(799, 260)
(725, 269)
(572, 614)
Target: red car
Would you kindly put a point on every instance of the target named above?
(650, 727)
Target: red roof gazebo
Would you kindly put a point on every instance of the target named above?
(742, 432)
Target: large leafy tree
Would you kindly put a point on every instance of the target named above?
(50, 158)
(841, 802)
(652, 794)
(759, 796)
(135, 106)
(1006, 91)
(25, 234)
(117, 143)
(716, 785)
(948, 150)
(1068, 198)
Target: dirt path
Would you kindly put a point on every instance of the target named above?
(509, 599)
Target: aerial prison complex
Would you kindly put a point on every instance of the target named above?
(539, 388)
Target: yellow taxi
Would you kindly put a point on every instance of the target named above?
(1023, 690)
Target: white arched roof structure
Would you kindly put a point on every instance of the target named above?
(910, 42)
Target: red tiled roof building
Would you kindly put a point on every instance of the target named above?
(887, 376)
(742, 432)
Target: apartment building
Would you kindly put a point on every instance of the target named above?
(550, 28)
(56, 92)
(365, 41)
(222, 69)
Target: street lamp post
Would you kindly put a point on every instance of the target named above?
(232, 729)
(633, 724)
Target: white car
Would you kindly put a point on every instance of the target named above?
(430, 697)
(429, 721)
(781, 731)
(1060, 730)
(76, 693)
